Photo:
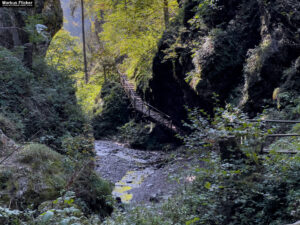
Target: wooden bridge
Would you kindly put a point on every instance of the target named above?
(266, 150)
(153, 114)
(149, 112)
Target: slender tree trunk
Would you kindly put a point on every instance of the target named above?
(166, 13)
(104, 71)
(28, 51)
(83, 42)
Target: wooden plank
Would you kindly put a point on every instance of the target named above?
(276, 121)
(283, 135)
(281, 151)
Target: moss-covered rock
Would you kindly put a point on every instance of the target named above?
(36, 173)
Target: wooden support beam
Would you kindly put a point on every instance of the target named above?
(281, 151)
(283, 135)
(277, 121)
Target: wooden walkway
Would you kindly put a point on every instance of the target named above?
(155, 115)
(266, 150)
(148, 111)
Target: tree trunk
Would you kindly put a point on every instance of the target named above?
(166, 13)
(83, 42)
(27, 58)
(104, 71)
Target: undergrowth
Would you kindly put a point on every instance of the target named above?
(39, 104)
(249, 189)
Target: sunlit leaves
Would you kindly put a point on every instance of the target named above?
(64, 52)
(132, 28)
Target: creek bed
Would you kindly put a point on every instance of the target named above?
(139, 176)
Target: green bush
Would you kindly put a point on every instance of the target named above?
(11, 128)
(235, 191)
(42, 101)
(79, 147)
(257, 191)
(207, 132)
(39, 175)
(38, 154)
(95, 192)
(44, 174)
(64, 210)
(140, 135)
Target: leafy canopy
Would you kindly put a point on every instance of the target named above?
(132, 28)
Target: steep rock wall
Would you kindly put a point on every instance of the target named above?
(239, 50)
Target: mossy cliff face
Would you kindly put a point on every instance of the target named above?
(13, 21)
(274, 63)
(239, 50)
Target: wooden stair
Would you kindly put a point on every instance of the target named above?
(148, 111)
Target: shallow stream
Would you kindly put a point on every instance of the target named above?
(139, 176)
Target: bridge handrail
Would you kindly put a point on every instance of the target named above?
(275, 121)
(123, 81)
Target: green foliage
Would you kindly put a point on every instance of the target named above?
(43, 175)
(207, 132)
(95, 192)
(231, 192)
(14, 217)
(64, 53)
(39, 155)
(247, 194)
(11, 128)
(78, 147)
(257, 57)
(132, 29)
(228, 192)
(42, 102)
(64, 210)
(205, 11)
(40, 175)
(30, 28)
(88, 94)
(139, 135)
(113, 113)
